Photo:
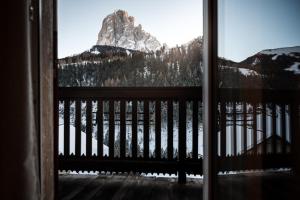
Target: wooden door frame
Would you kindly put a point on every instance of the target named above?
(48, 104)
(47, 86)
(210, 60)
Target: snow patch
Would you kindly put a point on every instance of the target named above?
(256, 61)
(243, 71)
(248, 72)
(275, 57)
(128, 52)
(294, 68)
(95, 52)
(281, 51)
(83, 142)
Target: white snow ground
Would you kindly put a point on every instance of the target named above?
(83, 142)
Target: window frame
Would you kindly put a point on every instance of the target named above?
(48, 21)
(210, 60)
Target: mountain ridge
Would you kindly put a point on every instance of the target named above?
(119, 30)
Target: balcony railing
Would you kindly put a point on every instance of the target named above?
(254, 126)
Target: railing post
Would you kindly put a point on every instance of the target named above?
(195, 129)
(122, 129)
(100, 128)
(254, 129)
(67, 127)
(182, 141)
(78, 128)
(146, 129)
(245, 132)
(158, 129)
(234, 136)
(89, 127)
(264, 128)
(134, 128)
(170, 129)
(223, 130)
(111, 129)
(274, 129)
(283, 129)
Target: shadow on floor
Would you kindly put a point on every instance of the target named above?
(252, 186)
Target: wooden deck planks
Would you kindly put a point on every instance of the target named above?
(272, 185)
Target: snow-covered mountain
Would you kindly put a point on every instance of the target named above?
(290, 51)
(119, 30)
(282, 59)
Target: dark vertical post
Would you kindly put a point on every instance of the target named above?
(254, 129)
(170, 129)
(295, 139)
(67, 127)
(283, 129)
(274, 129)
(223, 129)
(234, 149)
(182, 141)
(264, 129)
(157, 129)
(245, 127)
(195, 129)
(146, 129)
(134, 128)
(100, 128)
(89, 127)
(111, 129)
(122, 128)
(78, 128)
(210, 85)
(51, 39)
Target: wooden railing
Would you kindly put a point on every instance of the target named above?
(258, 121)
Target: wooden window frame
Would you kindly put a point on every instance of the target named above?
(210, 59)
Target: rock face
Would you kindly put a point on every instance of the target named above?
(118, 29)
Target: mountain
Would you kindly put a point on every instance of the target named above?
(282, 59)
(119, 30)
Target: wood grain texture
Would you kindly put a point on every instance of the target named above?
(270, 185)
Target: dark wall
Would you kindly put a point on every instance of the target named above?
(19, 169)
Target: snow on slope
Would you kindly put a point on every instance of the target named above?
(83, 142)
(281, 51)
(244, 71)
(248, 72)
(294, 68)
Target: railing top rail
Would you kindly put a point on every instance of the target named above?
(179, 93)
(155, 93)
(259, 95)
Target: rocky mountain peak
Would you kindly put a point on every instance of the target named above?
(119, 30)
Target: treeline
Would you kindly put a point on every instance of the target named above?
(179, 66)
(107, 66)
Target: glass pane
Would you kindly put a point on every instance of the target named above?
(123, 67)
(259, 79)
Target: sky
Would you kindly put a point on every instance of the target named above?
(245, 26)
(249, 26)
(170, 21)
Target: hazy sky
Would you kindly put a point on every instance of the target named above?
(245, 26)
(170, 21)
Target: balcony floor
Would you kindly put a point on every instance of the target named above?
(258, 185)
